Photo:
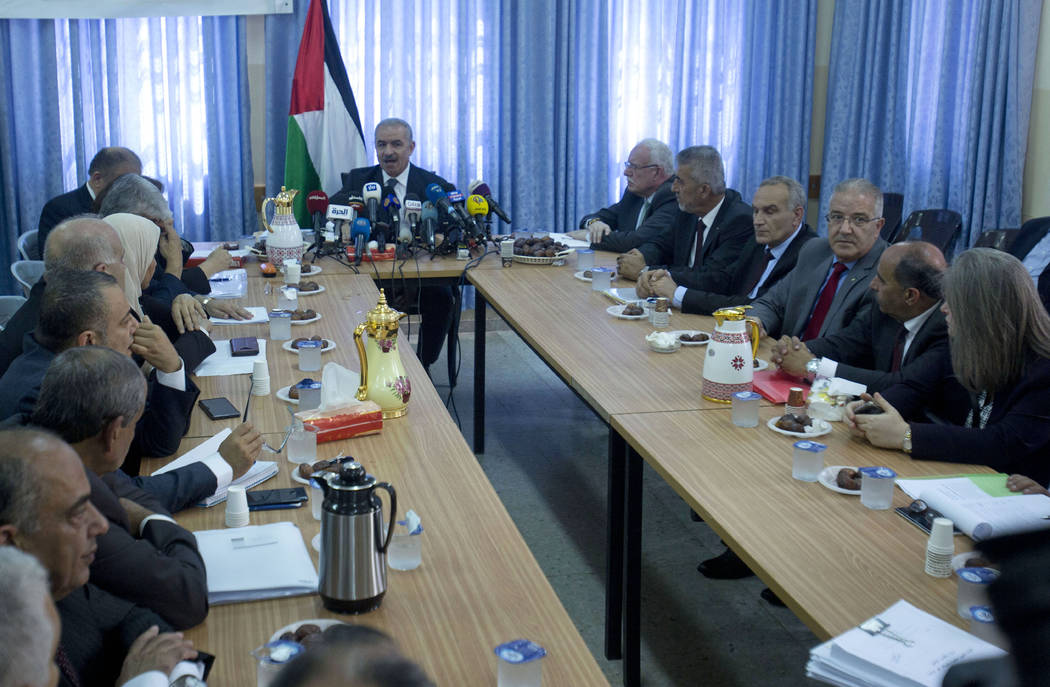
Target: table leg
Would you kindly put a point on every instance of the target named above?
(479, 372)
(453, 335)
(633, 571)
(614, 547)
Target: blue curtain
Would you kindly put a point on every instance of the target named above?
(932, 100)
(173, 89)
(544, 99)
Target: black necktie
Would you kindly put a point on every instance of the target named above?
(698, 255)
(65, 666)
(898, 350)
(758, 268)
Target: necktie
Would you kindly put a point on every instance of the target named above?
(66, 667)
(642, 213)
(758, 268)
(698, 254)
(898, 350)
(827, 295)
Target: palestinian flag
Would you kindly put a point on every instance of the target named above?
(324, 129)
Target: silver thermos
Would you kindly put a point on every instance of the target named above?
(353, 545)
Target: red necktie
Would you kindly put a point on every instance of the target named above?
(898, 350)
(66, 667)
(698, 255)
(827, 295)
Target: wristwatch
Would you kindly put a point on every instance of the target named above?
(204, 300)
(589, 222)
(811, 369)
(906, 444)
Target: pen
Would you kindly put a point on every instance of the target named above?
(249, 401)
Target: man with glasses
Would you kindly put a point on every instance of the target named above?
(707, 233)
(829, 285)
(646, 208)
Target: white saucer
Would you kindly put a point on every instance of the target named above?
(617, 311)
(320, 289)
(282, 394)
(323, 623)
(819, 427)
(679, 332)
(312, 319)
(762, 364)
(329, 346)
(827, 478)
(316, 543)
(579, 275)
(314, 269)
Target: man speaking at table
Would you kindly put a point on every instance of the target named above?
(394, 147)
(707, 233)
(646, 208)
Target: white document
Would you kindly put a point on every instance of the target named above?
(977, 514)
(569, 241)
(260, 472)
(259, 316)
(857, 657)
(222, 362)
(256, 562)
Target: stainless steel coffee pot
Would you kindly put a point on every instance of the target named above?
(353, 542)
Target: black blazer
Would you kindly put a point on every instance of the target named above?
(722, 247)
(69, 204)
(864, 350)
(622, 217)
(97, 630)
(418, 179)
(1016, 438)
(21, 323)
(728, 287)
(162, 571)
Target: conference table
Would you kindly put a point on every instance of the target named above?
(478, 585)
(834, 562)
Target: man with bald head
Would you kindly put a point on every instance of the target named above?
(107, 165)
(904, 339)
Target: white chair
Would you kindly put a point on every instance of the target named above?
(29, 247)
(9, 305)
(27, 272)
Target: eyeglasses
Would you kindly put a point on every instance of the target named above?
(630, 165)
(858, 221)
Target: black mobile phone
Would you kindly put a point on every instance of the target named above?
(218, 408)
(243, 346)
(271, 499)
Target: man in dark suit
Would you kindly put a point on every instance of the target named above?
(768, 256)
(904, 338)
(45, 511)
(646, 208)
(394, 147)
(829, 285)
(708, 233)
(85, 308)
(107, 165)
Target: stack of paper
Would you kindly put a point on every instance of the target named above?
(258, 316)
(222, 362)
(912, 649)
(229, 284)
(260, 472)
(980, 505)
(256, 562)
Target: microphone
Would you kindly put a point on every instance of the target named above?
(357, 206)
(456, 198)
(429, 220)
(341, 214)
(440, 200)
(372, 194)
(478, 208)
(393, 206)
(360, 233)
(316, 205)
(482, 189)
(413, 209)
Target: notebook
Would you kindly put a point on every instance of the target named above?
(260, 472)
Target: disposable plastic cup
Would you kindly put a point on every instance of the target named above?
(601, 278)
(584, 259)
(236, 507)
(280, 326)
(287, 299)
(807, 460)
(316, 499)
(302, 444)
(973, 589)
(309, 395)
(983, 625)
(310, 355)
(876, 487)
(745, 409)
(520, 664)
(405, 551)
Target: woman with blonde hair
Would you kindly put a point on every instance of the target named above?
(992, 397)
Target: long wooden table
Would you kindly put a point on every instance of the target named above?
(479, 585)
(831, 560)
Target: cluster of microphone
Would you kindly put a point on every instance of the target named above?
(467, 221)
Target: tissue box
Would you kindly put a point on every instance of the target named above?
(346, 422)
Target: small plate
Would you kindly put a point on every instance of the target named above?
(679, 332)
(312, 319)
(320, 289)
(672, 349)
(819, 427)
(617, 311)
(827, 478)
(323, 623)
(579, 275)
(622, 295)
(314, 269)
(762, 364)
(282, 394)
(959, 560)
(329, 345)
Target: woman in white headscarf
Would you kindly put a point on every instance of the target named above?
(139, 236)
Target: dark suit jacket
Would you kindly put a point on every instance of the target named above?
(162, 571)
(174, 490)
(722, 246)
(97, 629)
(1016, 438)
(20, 324)
(728, 287)
(784, 310)
(355, 180)
(622, 217)
(864, 349)
(69, 204)
(159, 431)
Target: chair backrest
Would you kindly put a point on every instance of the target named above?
(1032, 232)
(9, 305)
(1000, 239)
(892, 209)
(27, 272)
(939, 227)
(29, 247)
